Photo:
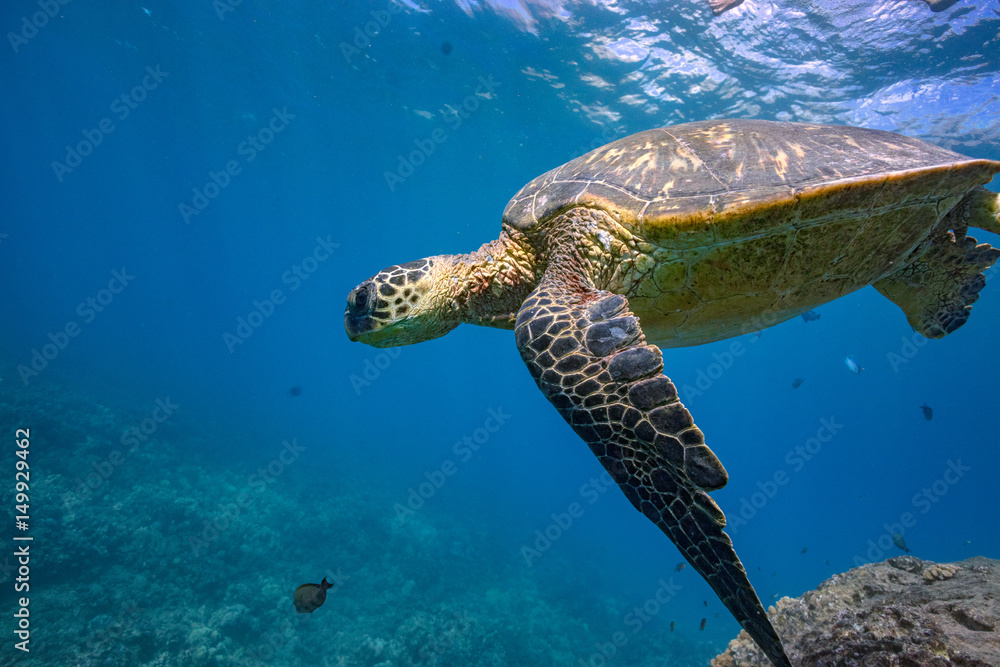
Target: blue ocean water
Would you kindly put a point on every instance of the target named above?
(191, 191)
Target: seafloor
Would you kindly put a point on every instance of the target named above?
(143, 556)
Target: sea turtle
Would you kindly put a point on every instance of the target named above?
(684, 235)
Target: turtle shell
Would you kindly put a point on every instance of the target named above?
(732, 177)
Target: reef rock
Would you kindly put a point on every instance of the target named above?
(902, 612)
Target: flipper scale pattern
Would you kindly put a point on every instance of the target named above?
(587, 353)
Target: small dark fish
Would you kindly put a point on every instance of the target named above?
(671, 626)
(826, 561)
(295, 391)
(928, 412)
(805, 549)
(680, 566)
(898, 540)
(446, 48)
(702, 626)
(797, 382)
(310, 597)
(706, 602)
(811, 316)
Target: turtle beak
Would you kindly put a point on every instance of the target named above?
(355, 328)
(360, 302)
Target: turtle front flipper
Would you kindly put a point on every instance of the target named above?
(588, 355)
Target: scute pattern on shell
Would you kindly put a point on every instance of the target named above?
(698, 170)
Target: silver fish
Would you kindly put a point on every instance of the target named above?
(852, 365)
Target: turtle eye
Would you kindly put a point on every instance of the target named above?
(360, 299)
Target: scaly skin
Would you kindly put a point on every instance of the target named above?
(937, 286)
(587, 353)
(417, 301)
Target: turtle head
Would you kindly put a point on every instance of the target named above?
(403, 304)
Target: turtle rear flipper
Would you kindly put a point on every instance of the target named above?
(982, 210)
(588, 355)
(937, 289)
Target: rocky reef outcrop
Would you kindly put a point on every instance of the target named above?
(902, 612)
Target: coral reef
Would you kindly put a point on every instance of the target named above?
(160, 555)
(903, 611)
(940, 571)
